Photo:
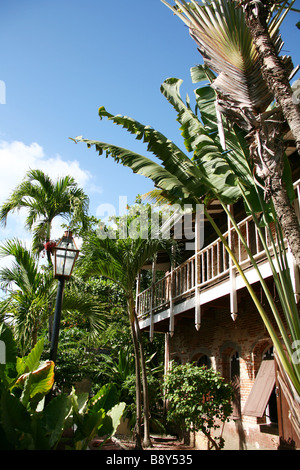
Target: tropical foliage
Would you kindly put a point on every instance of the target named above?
(26, 423)
(30, 294)
(29, 289)
(213, 173)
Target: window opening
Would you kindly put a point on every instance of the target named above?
(235, 381)
(235, 367)
(204, 361)
(271, 414)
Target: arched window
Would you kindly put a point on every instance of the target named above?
(235, 382)
(177, 360)
(235, 367)
(204, 361)
(230, 354)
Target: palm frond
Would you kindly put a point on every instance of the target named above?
(44, 200)
(88, 306)
(225, 43)
(120, 259)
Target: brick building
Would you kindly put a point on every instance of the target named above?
(208, 317)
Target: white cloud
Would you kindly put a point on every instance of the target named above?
(56, 167)
(16, 158)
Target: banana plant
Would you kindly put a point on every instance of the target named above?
(254, 203)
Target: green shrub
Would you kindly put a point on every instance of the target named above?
(198, 400)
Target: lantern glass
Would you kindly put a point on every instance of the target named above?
(65, 255)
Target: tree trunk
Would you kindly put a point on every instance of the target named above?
(138, 426)
(34, 336)
(272, 67)
(147, 440)
(286, 216)
(267, 151)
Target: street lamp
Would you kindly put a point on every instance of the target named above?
(65, 254)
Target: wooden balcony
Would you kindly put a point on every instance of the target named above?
(206, 276)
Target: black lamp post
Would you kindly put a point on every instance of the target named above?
(65, 254)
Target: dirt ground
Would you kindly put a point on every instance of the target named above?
(125, 443)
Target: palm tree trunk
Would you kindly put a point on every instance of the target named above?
(274, 74)
(272, 67)
(286, 216)
(34, 336)
(138, 426)
(147, 440)
(267, 151)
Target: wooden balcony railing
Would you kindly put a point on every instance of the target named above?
(204, 269)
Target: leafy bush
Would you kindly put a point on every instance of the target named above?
(198, 399)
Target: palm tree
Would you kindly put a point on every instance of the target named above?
(29, 292)
(120, 260)
(243, 96)
(44, 200)
(31, 288)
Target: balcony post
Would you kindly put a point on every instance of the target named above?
(197, 267)
(137, 299)
(171, 320)
(233, 293)
(151, 334)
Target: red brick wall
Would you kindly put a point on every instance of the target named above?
(219, 336)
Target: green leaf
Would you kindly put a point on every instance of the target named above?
(15, 419)
(31, 362)
(116, 414)
(201, 73)
(41, 381)
(55, 416)
(8, 355)
(106, 398)
(88, 426)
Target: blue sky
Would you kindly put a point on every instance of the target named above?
(61, 60)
